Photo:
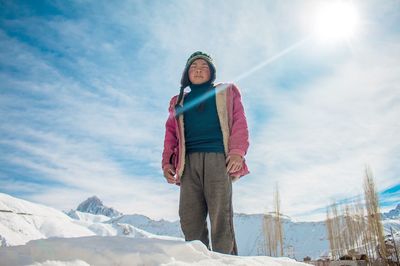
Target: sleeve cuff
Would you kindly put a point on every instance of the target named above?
(236, 151)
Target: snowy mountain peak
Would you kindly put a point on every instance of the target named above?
(392, 214)
(94, 205)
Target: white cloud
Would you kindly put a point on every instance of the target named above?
(322, 135)
(100, 91)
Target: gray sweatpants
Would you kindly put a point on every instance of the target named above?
(206, 187)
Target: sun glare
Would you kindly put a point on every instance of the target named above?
(336, 21)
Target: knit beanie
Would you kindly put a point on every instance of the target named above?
(185, 75)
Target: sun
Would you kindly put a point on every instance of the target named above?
(336, 21)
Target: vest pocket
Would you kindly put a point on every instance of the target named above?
(173, 158)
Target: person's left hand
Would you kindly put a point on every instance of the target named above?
(234, 162)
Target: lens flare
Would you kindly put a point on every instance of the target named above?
(336, 21)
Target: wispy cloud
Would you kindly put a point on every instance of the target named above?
(85, 89)
(324, 135)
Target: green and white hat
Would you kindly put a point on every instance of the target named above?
(197, 55)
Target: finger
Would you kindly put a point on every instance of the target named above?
(169, 176)
(239, 165)
(171, 180)
(227, 159)
(171, 171)
(237, 168)
(229, 167)
(233, 169)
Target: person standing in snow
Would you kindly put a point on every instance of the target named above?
(206, 139)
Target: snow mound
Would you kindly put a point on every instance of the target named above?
(161, 227)
(116, 250)
(61, 263)
(87, 217)
(22, 221)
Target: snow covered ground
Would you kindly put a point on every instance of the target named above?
(85, 236)
(22, 221)
(118, 250)
(391, 223)
(33, 234)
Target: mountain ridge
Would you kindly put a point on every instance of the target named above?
(94, 205)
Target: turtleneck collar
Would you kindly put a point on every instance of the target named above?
(201, 87)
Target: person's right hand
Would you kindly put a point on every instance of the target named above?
(169, 174)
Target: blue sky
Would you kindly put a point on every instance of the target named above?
(85, 87)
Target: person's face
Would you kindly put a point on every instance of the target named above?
(199, 71)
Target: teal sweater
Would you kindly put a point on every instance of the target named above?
(202, 129)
